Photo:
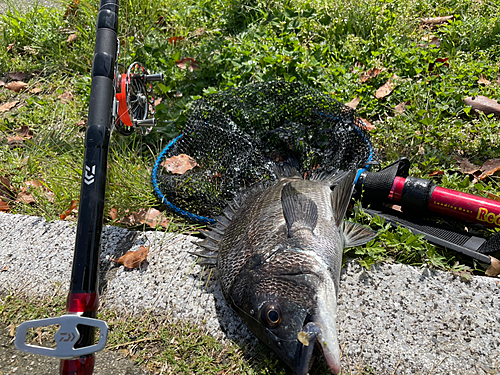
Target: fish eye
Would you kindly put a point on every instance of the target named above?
(271, 315)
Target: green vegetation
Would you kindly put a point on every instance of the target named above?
(156, 343)
(329, 45)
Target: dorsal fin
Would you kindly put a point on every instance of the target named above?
(299, 211)
(341, 196)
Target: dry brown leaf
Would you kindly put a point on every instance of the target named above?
(31, 50)
(9, 47)
(6, 189)
(385, 89)
(466, 166)
(494, 268)
(155, 218)
(482, 80)
(175, 39)
(35, 90)
(25, 132)
(4, 206)
(71, 38)
(66, 213)
(400, 108)
(133, 259)
(189, 62)
(489, 168)
(25, 197)
(179, 164)
(65, 97)
(18, 76)
(16, 86)
(434, 21)
(8, 106)
(367, 125)
(113, 213)
(436, 173)
(483, 104)
(158, 101)
(353, 103)
(370, 74)
(3, 269)
(493, 196)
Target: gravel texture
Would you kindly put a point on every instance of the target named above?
(392, 319)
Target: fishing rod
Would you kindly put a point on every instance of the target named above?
(419, 200)
(117, 101)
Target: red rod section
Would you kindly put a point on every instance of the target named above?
(447, 202)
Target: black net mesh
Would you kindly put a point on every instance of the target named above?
(237, 137)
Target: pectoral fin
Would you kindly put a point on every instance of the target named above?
(357, 234)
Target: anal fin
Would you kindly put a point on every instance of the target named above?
(357, 234)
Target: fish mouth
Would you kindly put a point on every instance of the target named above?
(317, 335)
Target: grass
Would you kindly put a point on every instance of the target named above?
(155, 343)
(326, 44)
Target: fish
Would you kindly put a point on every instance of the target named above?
(278, 254)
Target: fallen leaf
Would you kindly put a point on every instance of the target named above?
(31, 50)
(494, 268)
(34, 183)
(466, 166)
(9, 47)
(4, 206)
(65, 97)
(71, 38)
(16, 86)
(434, 21)
(6, 189)
(493, 196)
(72, 9)
(133, 259)
(158, 101)
(385, 89)
(25, 132)
(151, 217)
(66, 213)
(179, 164)
(438, 60)
(22, 134)
(8, 106)
(353, 103)
(400, 108)
(483, 104)
(25, 197)
(3, 269)
(113, 213)
(482, 80)
(367, 125)
(17, 76)
(436, 173)
(489, 168)
(35, 90)
(175, 39)
(189, 62)
(81, 123)
(370, 74)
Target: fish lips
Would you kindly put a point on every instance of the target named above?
(317, 335)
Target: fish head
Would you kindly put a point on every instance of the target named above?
(293, 311)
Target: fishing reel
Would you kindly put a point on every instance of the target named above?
(134, 100)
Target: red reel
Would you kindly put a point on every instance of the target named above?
(134, 94)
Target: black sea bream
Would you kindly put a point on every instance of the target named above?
(279, 257)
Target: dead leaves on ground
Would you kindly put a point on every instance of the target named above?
(151, 217)
(133, 259)
(24, 194)
(489, 167)
(23, 133)
(483, 104)
(386, 88)
(188, 62)
(179, 164)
